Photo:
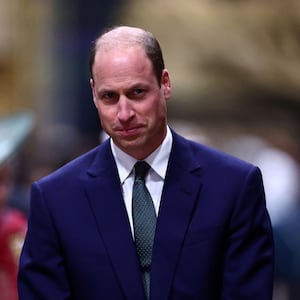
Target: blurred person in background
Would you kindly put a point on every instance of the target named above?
(281, 174)
(13, 226)
(14, 130)
(206, 233)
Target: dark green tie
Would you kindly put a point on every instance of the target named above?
(144, 222)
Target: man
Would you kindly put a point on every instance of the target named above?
(212, 237)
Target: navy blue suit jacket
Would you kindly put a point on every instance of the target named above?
(213, 236)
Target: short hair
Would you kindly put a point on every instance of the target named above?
(146, 40)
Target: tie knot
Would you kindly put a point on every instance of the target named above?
(141, 168)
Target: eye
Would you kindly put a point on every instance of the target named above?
(139, 91)
(109, 96)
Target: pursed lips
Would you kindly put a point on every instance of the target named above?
(128, 131)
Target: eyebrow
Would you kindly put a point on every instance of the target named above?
(131, 87)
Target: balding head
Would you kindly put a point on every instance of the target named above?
(122, 36)
(125, 36)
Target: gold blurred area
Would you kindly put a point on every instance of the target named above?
(23, 28)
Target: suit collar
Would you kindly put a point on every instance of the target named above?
(181, 155)
(180, 196)
(105, 199)
(102, 160)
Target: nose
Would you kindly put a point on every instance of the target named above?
(125, 109)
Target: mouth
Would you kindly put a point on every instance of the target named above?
(129, 132)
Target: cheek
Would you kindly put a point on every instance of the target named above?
(156, 107)
(160, 109)
(107, 115)
(155, 117)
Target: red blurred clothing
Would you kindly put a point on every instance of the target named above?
(13, 227)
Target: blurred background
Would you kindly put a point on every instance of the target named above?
(235, 70)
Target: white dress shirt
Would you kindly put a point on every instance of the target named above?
(158, 160)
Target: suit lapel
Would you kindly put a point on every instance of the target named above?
(106, 201)
(181, 189)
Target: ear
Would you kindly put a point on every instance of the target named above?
(166, 84)
(92, 84)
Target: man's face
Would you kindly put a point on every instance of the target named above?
(130, 102)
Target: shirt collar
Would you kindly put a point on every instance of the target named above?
(158, 159)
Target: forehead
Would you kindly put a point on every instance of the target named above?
(122, 61)
(110, 51)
